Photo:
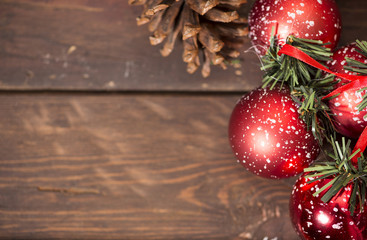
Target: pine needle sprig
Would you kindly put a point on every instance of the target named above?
(361, 68)
(343, 172)
(356, 66)
(288, 70)
(363, 105)
(313, 110)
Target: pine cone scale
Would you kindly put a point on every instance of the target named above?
(191, 25)
(190, 49)
(202, 6)
(156, 20)
(171, 39)
(137, 2)
(218, 15)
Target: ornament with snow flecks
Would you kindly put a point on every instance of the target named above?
(349, 121)
(314, 219)
(338, 61)
(309, 19)
(329, 200)
(267, 135)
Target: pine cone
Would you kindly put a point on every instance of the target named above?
(211, 30)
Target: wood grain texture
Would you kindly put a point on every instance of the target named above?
(110, 51)
(130, 167)
(96, 45)
(354, 20)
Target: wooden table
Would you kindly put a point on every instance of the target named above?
(102, 138)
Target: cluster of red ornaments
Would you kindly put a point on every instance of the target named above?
(267, 135)
(265, 131)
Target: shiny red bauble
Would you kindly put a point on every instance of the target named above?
(310, 19)
(314, 219)
(338, 61)
(267, 136)
(348, 120)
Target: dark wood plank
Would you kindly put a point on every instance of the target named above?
(130, 167)
(354, 20)
(110, 51)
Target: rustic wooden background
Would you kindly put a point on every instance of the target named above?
(102, 138)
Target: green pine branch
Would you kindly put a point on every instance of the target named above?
(287, 70)
(363, 46)
(313, 110)
(343, 172)
(356, 66)
(363, 105)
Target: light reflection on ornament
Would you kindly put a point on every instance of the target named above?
(323, 218)
(262, 143)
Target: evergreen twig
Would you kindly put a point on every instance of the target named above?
(313, 110)
(343, 172)
(285, 69)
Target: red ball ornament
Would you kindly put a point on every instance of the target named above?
(338, 61)
(314, 219)
(267, 136)
(309, 19)
(348, 120)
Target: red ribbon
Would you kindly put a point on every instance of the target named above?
(356, 81)
(359, 83)
(300, 55)
(361, 144)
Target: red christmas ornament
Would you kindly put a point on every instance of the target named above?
(314, 219)
(338, 61)
(348, 120)
(267, 136)
(309, 19)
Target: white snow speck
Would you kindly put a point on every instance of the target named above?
(292, 15)
(312, 23)
(337, 225)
